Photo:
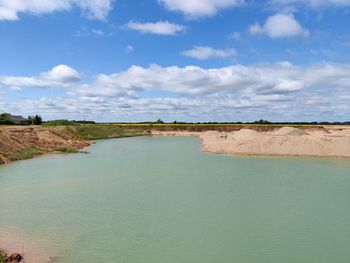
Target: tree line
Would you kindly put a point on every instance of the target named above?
(8, 119)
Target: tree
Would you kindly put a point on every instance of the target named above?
(262, 122)
(30, 120)
(5, 118)
(159, 121)
(35, 120)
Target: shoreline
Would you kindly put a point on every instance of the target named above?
(21, 143)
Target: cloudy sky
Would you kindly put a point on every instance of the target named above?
(184, 60)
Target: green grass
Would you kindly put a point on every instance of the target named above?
(59, 123)
(67, 150)
(2, 256)
(27, 154)
(96, 132)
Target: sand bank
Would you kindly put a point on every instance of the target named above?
(327, 141)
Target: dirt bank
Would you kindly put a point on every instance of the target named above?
(24, 142)
(17, 143)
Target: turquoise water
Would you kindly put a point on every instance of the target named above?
(162, 200)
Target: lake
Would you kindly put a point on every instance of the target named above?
(162, 200)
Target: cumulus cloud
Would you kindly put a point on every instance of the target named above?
(157, 28)
(192, 93)
(199, 8)
(96, 9)
(61, 73)
(203, 52)
(278, 78)
(59, 76)
(280, 26)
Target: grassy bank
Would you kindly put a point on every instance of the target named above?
(96, 132)
(27, 154)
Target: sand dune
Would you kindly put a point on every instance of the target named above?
(332, 141)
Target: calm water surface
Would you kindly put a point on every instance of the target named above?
(162, 200)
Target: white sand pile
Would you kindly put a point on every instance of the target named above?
(245, 133)
(285, 141)
(289, 131)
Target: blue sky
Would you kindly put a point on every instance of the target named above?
(184, 60)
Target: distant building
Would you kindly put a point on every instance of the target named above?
(18, 120)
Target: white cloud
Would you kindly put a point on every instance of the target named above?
(84, 32)
(316, 92)
(202, 52)
(199, 8)
(59, 76)
(98, 32)
(129, 49)
(279, 78)
(61, 73)
(158, 28)
(14, 88)
(280, 26)
(96, 9)
(236, 36)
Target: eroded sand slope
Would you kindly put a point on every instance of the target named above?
(15, 140)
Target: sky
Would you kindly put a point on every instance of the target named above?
(183, 60)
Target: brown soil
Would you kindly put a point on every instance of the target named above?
(15, 141)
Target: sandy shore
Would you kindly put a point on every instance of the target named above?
(327, 141)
